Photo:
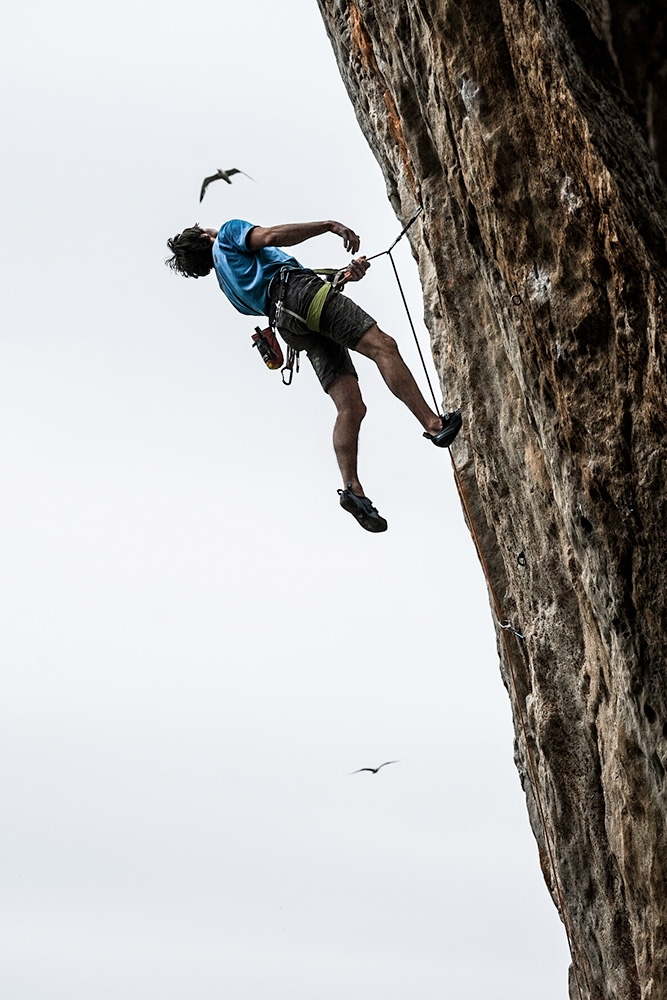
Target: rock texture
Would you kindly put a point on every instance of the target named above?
(534, 135)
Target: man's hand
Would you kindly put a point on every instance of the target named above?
(354, 271)
(350, 239)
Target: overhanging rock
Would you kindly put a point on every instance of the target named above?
(533, 133)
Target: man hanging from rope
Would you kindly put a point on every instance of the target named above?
(261, 280)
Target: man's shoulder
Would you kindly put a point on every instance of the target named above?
(233, 233)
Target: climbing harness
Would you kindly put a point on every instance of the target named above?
(314, 314)
(266, 340)
(505, 628)
(335, 276)
(280, 308)
(316, 306)
(311, 320)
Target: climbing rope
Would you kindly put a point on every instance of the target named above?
(387, 253)
(400, 235)
(505, 628)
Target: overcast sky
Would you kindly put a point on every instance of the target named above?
(198, 645)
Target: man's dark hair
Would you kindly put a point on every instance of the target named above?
(193, 253)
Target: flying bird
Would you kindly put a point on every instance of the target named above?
(374, 770)
(224, 175)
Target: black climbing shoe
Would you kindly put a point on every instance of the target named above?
(451, 425)
(362, 509)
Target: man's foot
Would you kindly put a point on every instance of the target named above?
(451, 425)
(362, 509)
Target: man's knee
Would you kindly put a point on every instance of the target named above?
(353, 406)
(374, 344)
(359, 409)
(346, 395)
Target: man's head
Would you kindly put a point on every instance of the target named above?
(192, 250)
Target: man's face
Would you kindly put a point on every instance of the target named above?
(212, 234)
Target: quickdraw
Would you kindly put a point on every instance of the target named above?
(290, 366)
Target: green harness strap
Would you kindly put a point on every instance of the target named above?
(316, 307)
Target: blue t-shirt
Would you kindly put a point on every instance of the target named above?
(244, 275)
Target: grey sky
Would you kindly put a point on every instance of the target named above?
(198, 645)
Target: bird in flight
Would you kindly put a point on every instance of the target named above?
(374, 770)
(224, 175)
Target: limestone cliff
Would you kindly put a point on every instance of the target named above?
(534, 135)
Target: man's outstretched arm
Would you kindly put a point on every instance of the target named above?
(293, 233)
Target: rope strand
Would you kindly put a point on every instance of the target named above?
(414, 333)
(387, 253)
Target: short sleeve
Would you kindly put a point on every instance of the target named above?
(232, 235)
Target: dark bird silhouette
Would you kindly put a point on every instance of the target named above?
(222, 175)
(374, 770)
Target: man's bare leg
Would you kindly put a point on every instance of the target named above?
(383, 350)
(351, 411)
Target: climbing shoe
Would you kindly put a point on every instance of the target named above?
(362, 509)
(451, 425)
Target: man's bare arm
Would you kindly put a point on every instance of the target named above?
(293, 233)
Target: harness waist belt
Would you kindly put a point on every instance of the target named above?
(312, 319)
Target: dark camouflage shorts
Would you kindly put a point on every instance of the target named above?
(342, 325)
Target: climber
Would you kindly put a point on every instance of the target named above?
(259, 279)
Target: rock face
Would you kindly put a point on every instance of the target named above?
(534, 135)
